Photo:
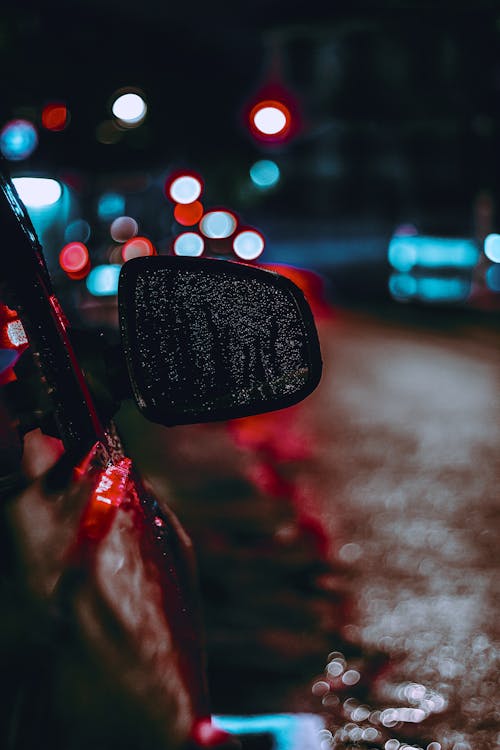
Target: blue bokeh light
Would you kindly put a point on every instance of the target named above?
(435, 289)
(102, 281)
(110, 205)
(18, 140)
(289, 731)
(406, 253)
(78, 231)
(265, 173)
(492, 247)
(429, 289)
(402, 285)
(493, 278)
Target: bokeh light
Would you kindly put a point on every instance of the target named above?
(406, 230)
(129, 109)
(188, 214)
(102, 281)
(110, 205)
(190, 244)
(184, 188)
(108, 133)
(429, 289)
(114, 254)
(492, 247)
(123, 228)
(38, 192)
(248, 244)
(74, 257)
(406, 252)
(137, 247)
(77, 231)
(270, 119)
(218, 224)
(55, 116)
(402, 285)
(493, 278)
(265, 173)
(18, 140)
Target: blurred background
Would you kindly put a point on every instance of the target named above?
(346, 545)
(379, 169)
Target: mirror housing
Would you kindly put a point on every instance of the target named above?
(208, 340)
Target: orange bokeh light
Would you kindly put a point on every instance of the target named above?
(188, 214)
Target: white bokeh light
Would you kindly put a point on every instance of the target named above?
(270, 120)
(38, 192)
(492, 247)
(129, 108)
(185, 189)
(248, 244)
(217, 225)
(189, 244)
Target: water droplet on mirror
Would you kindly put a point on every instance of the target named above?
(351, 677)
(320, 688)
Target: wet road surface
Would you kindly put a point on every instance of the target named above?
(348, 546)
(409, 434)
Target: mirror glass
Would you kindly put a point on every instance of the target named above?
(211, 339)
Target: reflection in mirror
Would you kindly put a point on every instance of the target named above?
(208, 340)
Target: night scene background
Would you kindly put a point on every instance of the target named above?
(346, 545)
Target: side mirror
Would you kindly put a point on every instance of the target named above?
(209, 340)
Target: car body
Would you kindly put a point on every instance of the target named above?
(102, 641)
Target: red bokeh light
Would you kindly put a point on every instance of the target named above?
(55, 116)
(74, 258)
(188, 214)
(137, 247)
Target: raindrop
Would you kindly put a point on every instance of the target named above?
(320, 688)
(351, 677)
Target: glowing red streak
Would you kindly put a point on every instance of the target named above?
(105, 499)
(61, 317)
